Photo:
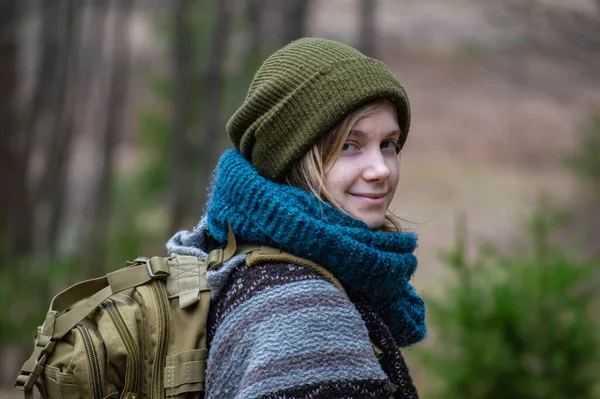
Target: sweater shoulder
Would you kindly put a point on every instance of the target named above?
(285, 331)
(245, 282)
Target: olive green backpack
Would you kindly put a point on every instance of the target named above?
(138, 332)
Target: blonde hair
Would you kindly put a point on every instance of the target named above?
(309, 172)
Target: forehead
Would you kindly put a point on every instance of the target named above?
(380, 119)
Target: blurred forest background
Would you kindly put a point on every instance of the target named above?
(112, 117)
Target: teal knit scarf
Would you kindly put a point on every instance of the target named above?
(374, 264)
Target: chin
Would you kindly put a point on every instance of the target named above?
(373, 220)
(374, 223)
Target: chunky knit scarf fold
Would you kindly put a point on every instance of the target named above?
(376, 264)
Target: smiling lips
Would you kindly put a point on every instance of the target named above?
(374, 199)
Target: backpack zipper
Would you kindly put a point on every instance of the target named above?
(158, 381)
(92, 359)
(132, 379)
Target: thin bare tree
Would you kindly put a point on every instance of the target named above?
(213, 86)
(115, 119)
(367, 34)
(39, 115)
(63, 132)
(181, 152)
(11, 164)
(254, 11)
(14, 240)
(294, 13)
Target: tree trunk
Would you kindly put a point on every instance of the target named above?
(39, 109)
(181, 156)
(294, 19)
(92, 59)
(115, 118)
(14, 240)
(64, 128)
(46, 67)
(367, 36)
(213, 86)
(254, 10)
(11, 164)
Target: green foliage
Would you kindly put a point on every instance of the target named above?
(517, 326)
(586, 161)
(24, 294)
(153, 177)
(156, 119)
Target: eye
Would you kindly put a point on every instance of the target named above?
(349, 148)
(389, 145)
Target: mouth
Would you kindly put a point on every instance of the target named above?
(374, 199)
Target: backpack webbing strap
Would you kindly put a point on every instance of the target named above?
(122, 279)
(219, 256)
(258, 254)
(268, 254)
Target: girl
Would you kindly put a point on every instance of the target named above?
(313, 173)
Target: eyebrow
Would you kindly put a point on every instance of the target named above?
(360, 133)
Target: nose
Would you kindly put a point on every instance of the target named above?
(376, 168)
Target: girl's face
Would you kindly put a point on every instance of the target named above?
(364, 177)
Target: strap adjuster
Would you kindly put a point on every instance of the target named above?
(157, 267)
(215, 259)
(219, 256)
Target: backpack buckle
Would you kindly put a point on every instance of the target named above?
(33, 368)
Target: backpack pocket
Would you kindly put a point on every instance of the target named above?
(118, 325)
(93, 351)
(59, 385)
(76, 367)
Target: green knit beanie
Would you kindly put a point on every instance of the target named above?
(301, 92)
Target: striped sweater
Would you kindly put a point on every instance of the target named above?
(282, 331)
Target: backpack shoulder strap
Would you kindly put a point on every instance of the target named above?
(219, 256)
(268, 254)
(258, 254)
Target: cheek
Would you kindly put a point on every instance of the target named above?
(332, 181)
(394, 170)
(339, 177)
(337, 185)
